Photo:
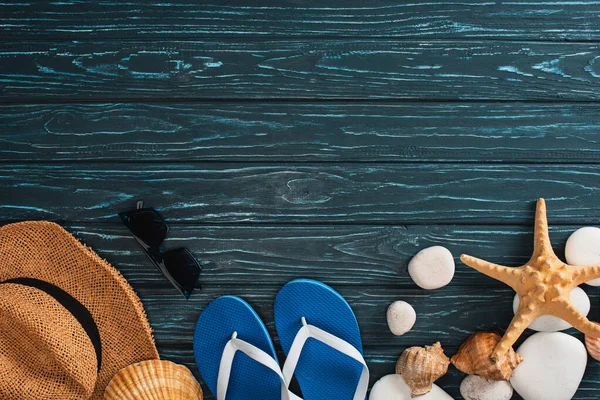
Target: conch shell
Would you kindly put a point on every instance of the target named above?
(474, 357)
(421, 366)
(154, 379)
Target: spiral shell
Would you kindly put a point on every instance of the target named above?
(592, 345)
(421, 366)
(154, 379)
(474, 357)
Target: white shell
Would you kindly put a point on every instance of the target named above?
(432, 268)
(475, 387)
(393, 387)
(583, 248)
(550, 323)
(401, 317)
(552, 368)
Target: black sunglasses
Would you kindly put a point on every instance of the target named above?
(150, 229)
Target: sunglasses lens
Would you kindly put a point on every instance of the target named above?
(183, 268)
(148, 226)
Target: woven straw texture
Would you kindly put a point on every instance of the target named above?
(152, 380)
(45, 251)
(66, 355)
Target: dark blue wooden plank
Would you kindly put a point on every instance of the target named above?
(368, 263)
(219, 193)
(340, 255)
(340, 132)
(436, 321)
(449, 315)
(74, 19)
(299, 69)
(382, 362)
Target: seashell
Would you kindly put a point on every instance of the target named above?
(474, 357)
(154, 379)
(421, 366)
(592, 344)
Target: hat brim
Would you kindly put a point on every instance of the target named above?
(45, 251)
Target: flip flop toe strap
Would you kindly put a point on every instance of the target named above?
(310, 331)
(233, 346)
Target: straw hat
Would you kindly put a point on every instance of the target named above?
(68, 320)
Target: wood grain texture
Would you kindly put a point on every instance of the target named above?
(323, 140)
(382, 361)
(309, 69)
(449, 315)
(367, 264)
(338, 255)
(301, 132)
(550, 20)
(173, 320)
(346, 193)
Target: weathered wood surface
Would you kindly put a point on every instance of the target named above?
(302, 132)
(382, 362)
(490, 308)
(323, 140)
(339, 255)
(367, 264)
(449, 315)
(295, 69)
(548, 20)
(220, 193)
(474, 307)
(233, 256)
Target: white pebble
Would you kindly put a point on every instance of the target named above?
(552, 368)
(393, 387)
(401, 317)
(583, 248)
(550, 323)
(475, 387)
(432, 268)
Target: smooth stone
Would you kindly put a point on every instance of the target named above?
(393, 387)
(583, 248)
(550, 323)
(552, 368)
(475, 387)
(432, 268)
(401, 317)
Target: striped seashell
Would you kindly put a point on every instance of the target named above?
(421, 366)
(475, 357)
(154, 379)
(592, 344)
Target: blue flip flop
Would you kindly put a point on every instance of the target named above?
(321, 339)
(235, 354)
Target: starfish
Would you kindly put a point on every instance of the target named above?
(543, 284)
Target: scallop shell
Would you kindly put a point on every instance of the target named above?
(421, 366)
(154, 379)
(592, 345)
(474, 357)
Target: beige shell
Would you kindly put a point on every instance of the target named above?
(154, 379)
(475, 357)
(593, 346)
(421, 366)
